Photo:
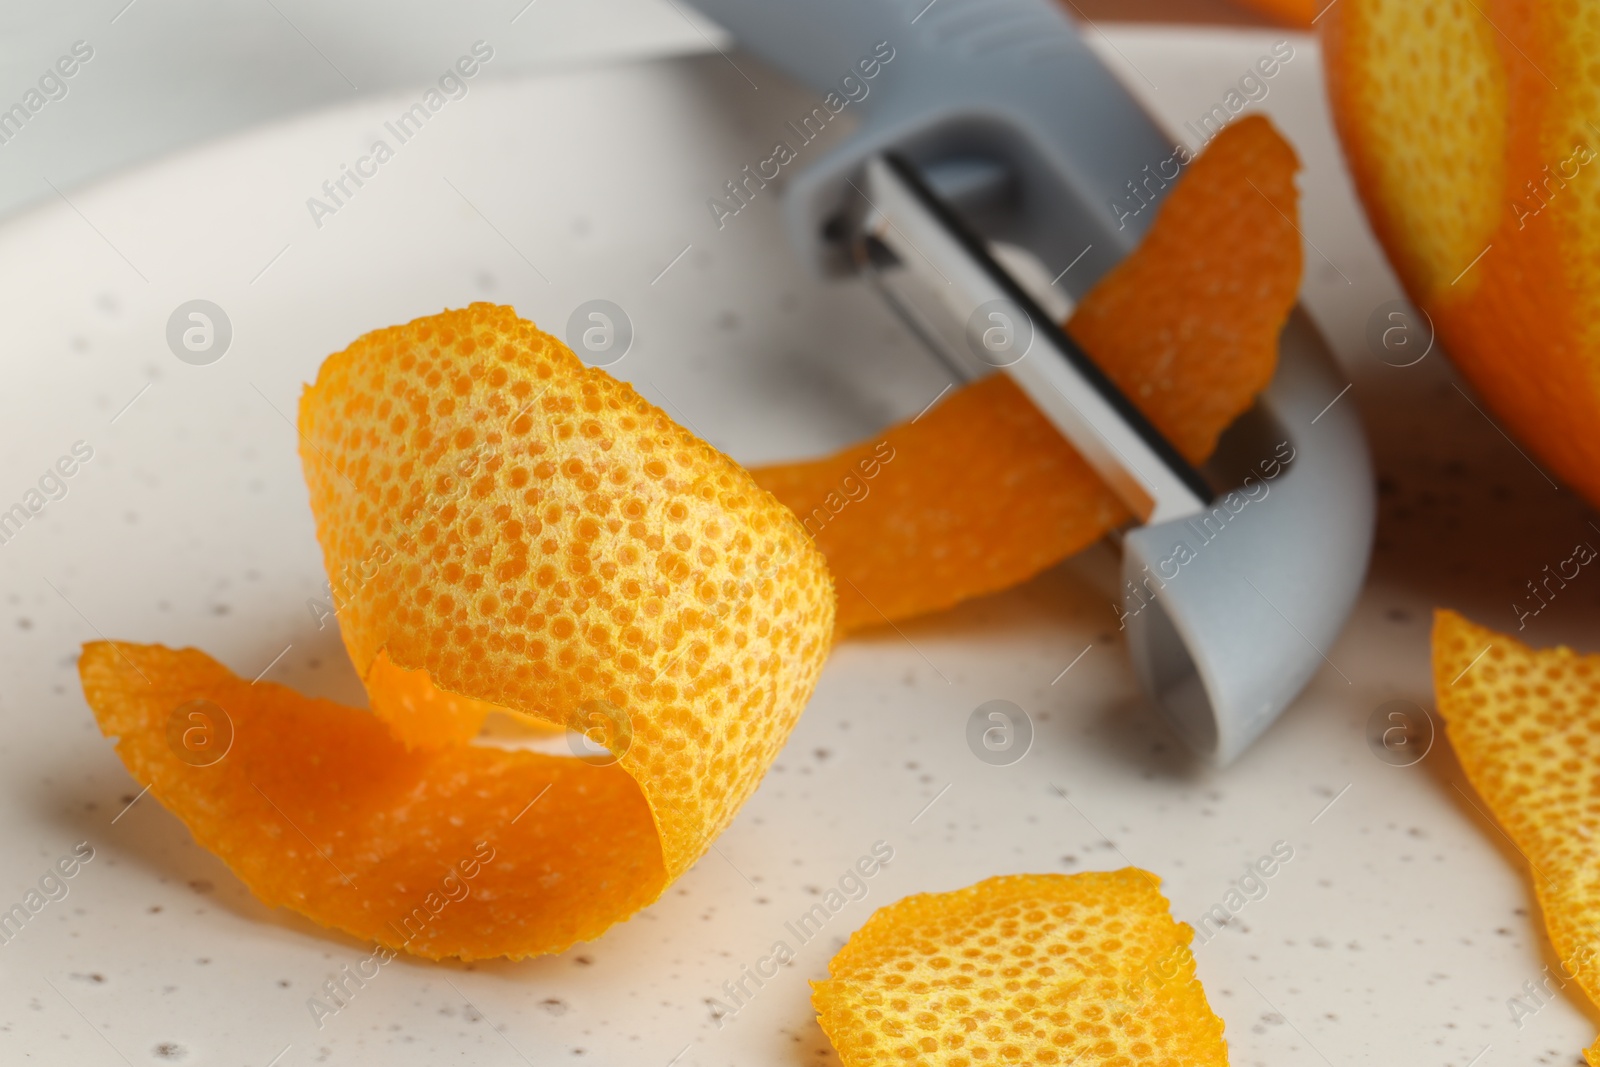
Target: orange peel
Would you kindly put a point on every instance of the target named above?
(1086, 969)
(1525, 724)
(317, 807)
(982, 492)
(504, 528)
(420, 713)
(1298, 13)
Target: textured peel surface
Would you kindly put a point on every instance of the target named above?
(507, 529)
(1525, 724)
(982, 492)
(420, 713)
(1086, 969)
(1425, 96)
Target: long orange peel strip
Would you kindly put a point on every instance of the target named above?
(508, 528)
(982, 492)
(1087, 969)
(1300, 14)
(1525, 724)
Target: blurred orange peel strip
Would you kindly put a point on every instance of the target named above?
(1525, 724)
(982, 492)
(1087, 969)
(506, 529)
(1300, 14)
(601, 568)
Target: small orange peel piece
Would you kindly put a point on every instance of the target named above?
(504, 528)
(1087, 969)
(982, 492)
(1525, 724)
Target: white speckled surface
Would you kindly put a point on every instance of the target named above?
(1395, 935)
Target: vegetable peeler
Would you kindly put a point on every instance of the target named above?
(993, 152)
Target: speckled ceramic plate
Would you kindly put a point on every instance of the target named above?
(1394, 931)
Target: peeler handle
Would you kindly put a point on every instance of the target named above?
(1007, 82)
(1229, 611)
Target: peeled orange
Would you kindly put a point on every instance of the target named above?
(1467, 127)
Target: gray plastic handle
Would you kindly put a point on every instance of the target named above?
(1225, 639)
(1007, 80)
(1257, 596)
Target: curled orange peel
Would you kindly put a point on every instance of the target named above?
(1525, 724)
(504, 528)
(982, 492)
(1087, 969)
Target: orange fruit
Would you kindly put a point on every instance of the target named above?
(1466, 124)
